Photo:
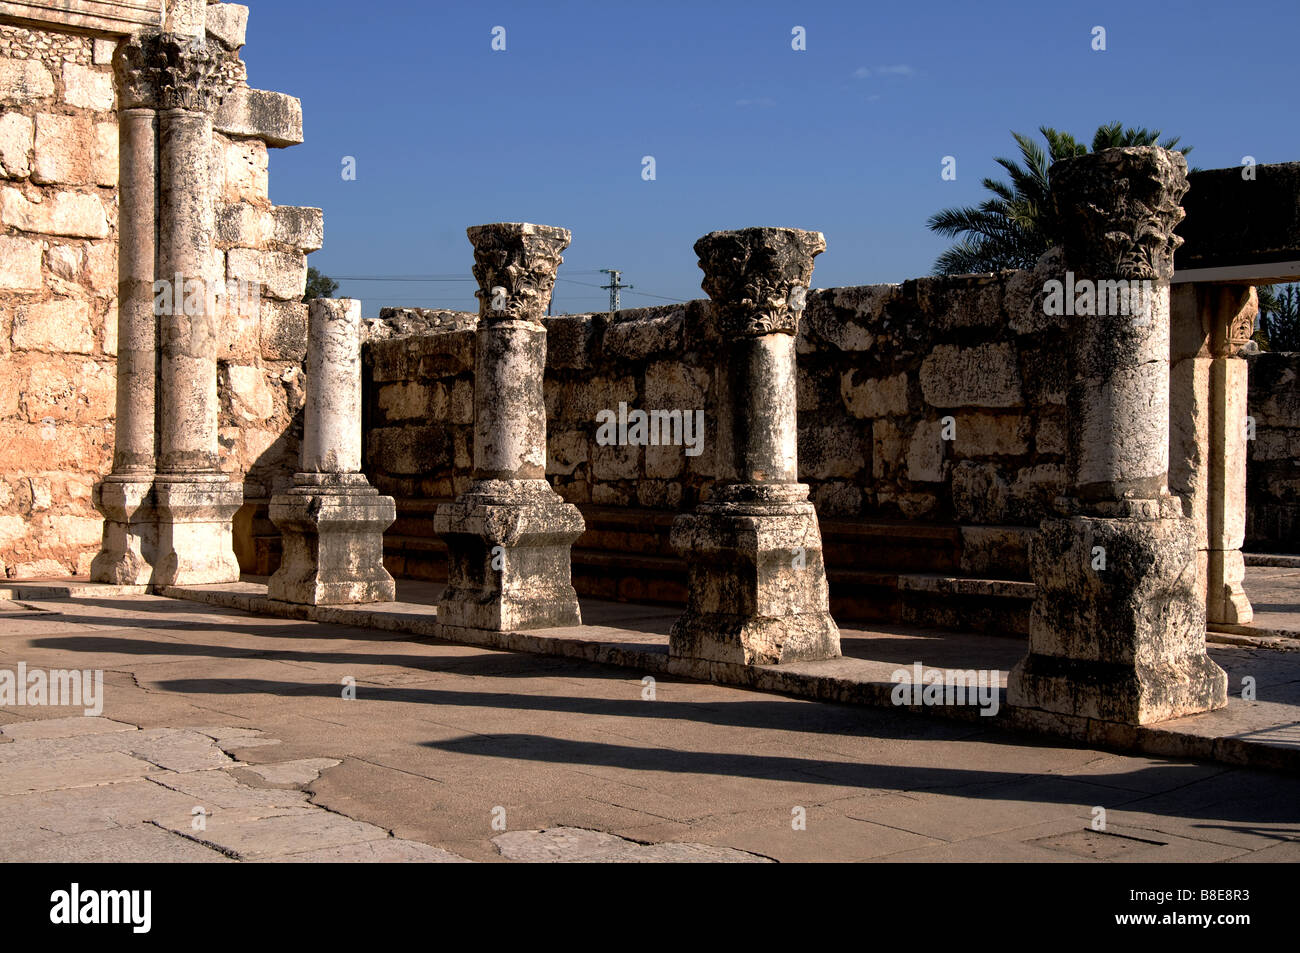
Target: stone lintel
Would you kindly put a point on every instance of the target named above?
(1242, 225)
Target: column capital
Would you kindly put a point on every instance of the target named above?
(757, 277)
(1234, 309)
(166, 71)
(1118, 209)
(515, 265)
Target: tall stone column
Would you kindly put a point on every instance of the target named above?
(757, 584)
(125, 497)
(1234, 309)
(332, 522)
(509, 535)
(196, 501)
(1117, 631)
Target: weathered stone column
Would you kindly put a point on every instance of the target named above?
(332, 522)
(509, 535)
(196, 501)
(1117, 631)
(1210, 323)
(757, 584)
(125, 496)
(1234, 309)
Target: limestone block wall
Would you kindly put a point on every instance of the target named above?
(1273, 457)
(58, 295)
(887, 374)
(58, 288)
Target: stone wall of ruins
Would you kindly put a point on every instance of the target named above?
(1273, 461)
(58, 288)
(58, 291)
(880, 369)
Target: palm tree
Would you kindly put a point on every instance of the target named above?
(1279, 318)
(1015, 227)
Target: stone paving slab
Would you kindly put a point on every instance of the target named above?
(576, 845)
(1274, 593)
(69, 792)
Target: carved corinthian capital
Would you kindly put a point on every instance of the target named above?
(1118, 209)
(757, 277)
(515, 265)
(162, 71)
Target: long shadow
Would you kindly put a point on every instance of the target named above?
(975, 784)
(811, 717)
(140, 613)
(487, 663)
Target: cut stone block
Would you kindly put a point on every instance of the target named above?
(274, 118)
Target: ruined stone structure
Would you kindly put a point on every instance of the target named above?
(756, 588)
(508, 535)
(1273, 487)
(915, 452)
(1118, 626)
(177, 118)
(332, 522)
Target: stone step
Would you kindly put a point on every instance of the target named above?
(1276, 560)
(878, 570)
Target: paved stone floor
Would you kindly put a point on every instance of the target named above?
(1272, 592)
(450, 752)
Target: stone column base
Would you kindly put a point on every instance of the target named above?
(195, 544)
(509, 547)
(333, 536)
(757, 585)
(1122, 642)
(130, 548)
(1226, 600)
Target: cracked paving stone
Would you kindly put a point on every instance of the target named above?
(390, 851)
(290, 774)
(139, 843)
(63, 728)
(92, 789)
(577, 845)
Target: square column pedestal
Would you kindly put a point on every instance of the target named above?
(508, 545)
(195, 540)
(757, 585)
(130, 547)
(332, 530)
(1117, 630)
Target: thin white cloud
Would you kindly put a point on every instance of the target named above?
(861, 73)
(899, 69)
(763, 102)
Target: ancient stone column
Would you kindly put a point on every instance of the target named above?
(125, 496)
(1210, 323)
(509, 535)
(757, 585)
(332, 522)
(196, 501)
(1234, 309)
(1117, 631)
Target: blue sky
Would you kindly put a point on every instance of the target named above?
(846, 137)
